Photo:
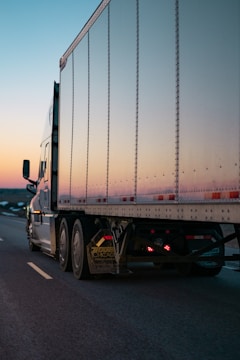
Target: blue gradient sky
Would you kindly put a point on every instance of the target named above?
(34, 35)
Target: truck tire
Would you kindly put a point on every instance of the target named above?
(201, 268)
(64, 246)
(202, 271)
(79, 253)
(31, 245)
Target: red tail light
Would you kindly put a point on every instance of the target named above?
(167, 247)
(150, 249)
(108, 237)
(198, 237)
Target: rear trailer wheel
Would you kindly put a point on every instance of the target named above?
(203, 237)
(204, 271)
(79, 253)
(64, 246)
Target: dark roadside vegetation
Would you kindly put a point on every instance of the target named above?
(13, 202)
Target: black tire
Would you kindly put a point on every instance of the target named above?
(64, 246)
(79, 253)
(199, 268)
(202, 271)
(31, 245)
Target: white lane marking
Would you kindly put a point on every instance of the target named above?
(40, 271)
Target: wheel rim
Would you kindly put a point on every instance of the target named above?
(63, 245)
(30, 230)
(77, 253)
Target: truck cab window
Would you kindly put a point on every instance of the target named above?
(46, 162)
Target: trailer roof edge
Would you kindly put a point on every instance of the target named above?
(83, 32)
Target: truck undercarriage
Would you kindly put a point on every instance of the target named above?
(93, 245)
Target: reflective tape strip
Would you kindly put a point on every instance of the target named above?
(218, 195)
(127, 198)
(164, 197)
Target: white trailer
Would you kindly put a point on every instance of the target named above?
(140, 161)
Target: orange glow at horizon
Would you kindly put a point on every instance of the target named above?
(11, 169)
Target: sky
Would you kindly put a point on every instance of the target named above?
(33, 36)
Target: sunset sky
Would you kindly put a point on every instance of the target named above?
(34, 35)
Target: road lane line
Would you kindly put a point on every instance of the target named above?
(39, 271)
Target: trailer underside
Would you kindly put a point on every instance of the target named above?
(108, 245)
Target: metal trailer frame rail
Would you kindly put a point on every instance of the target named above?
(171, 257)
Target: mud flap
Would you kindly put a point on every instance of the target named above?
(101, 253)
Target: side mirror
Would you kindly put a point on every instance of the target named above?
(26, 169)
(31, 189)
(26, 174)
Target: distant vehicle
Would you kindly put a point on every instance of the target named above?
(140, 156)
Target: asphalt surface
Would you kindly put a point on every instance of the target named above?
(149, 315)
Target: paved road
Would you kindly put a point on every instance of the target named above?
(150, 315)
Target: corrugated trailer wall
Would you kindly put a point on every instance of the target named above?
(149, 104)
(209, 99)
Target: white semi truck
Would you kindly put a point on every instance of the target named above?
(140, 159)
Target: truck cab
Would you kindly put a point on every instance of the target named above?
(41, 214)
